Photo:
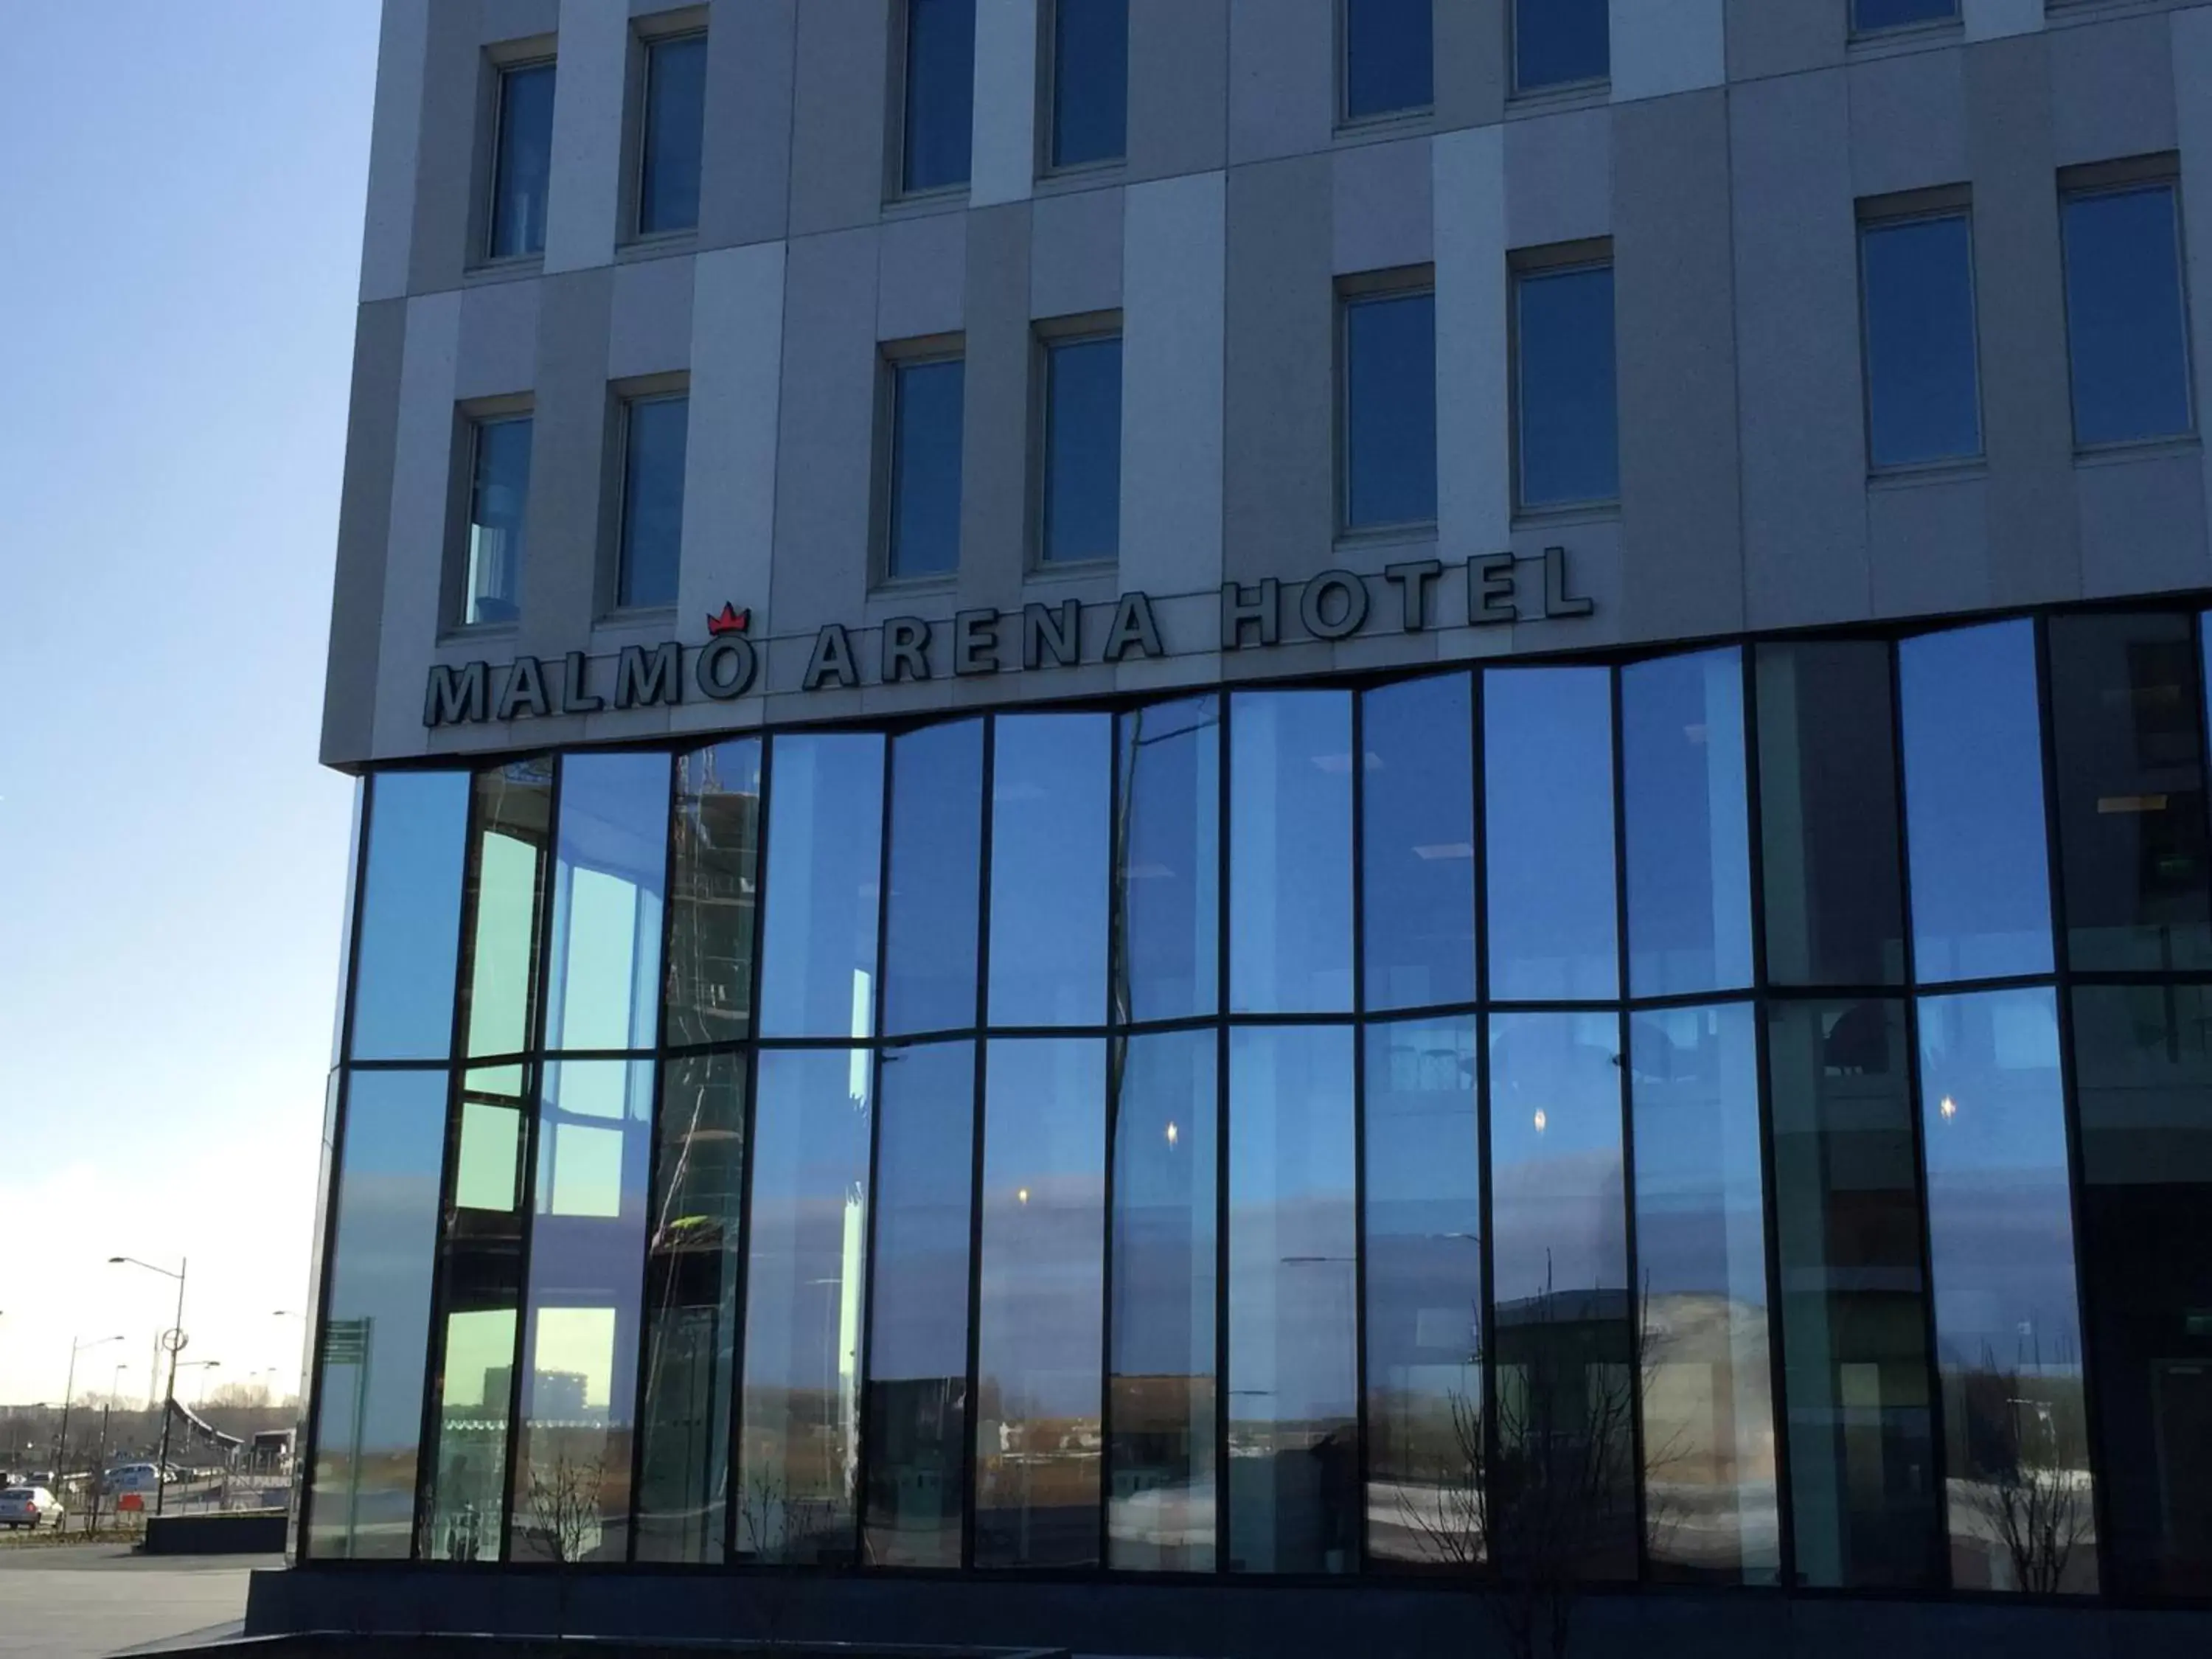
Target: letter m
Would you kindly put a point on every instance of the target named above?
(455, 695)
(642, 680)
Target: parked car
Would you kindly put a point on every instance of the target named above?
(132, 1477)
(28, 1506)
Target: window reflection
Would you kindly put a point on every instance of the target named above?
(1290, 851)
(1548, 834)
(1387, 53)
(1037, 1438)
(1167, 837)
(607, 875)
(1090, 80)
(1160, 1509)
(1051, 788)
(940, 93)
(713, 887)
(1417, 827)
(675, 121)
(1922, 365)
(936, 871)
(513, 812)
(411, 907)
(825, 833)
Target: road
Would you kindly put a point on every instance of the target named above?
(92, 1601)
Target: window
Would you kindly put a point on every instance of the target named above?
(668, 151)
(940, 94)
(522, 160)
(1870, 16)
(1559, 43)
(1388, 64)
(1082, 449)
(1290, 851)
(604, 969)
(410, 909)
(1389, 414)
(923, 523)
(1090, 82)
(499, 496)
(1566, 429)
(1051, 819)
(1923, 370)
(1547, 834)
(1167, 860)
(930, 914)
(2127, 335)
(1417, 872)
(825, 866)
(714, 889)
(654, 433)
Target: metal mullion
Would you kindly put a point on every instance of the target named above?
(1626, 1065)
(1223, 1539)
(1116, 1063)
(970, 1465)
(872, 1198)
(750, 1061)
(1361, 1474)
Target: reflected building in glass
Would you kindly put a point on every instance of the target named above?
(1489, 869)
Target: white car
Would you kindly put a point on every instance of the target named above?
(28, 1506)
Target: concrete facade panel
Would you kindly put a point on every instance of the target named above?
(921, 276)
(1075, 254)
(649, 330)
(567, 581)
(1558, 178)
(1994, 19)
(994, 448)
(585, 190)
(2143, 524)
(1928, 545)
(2192, 103)
(825, 453)
(1006, 110)
(842, 95)
(499, 340)
(1282, 77)
(1178, 87)
(1769, 38)
(1908, 122)
(449, 158)
(744, 157)
(1472, 79)
(387, 227)
(364, 538)
(2111, 91)
(1380, 213)
(1474, 447)
(1660, 47)
(414, 586)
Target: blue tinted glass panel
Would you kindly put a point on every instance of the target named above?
(1708, 1404)
(1868, 15)
(1160, 1507)
(1568, 432)
(607, 881)
(1388, 52)
(1290, 851)
(824, 842)
(917, 1422)
(940, 92)
(653, 501)
(1039, 1347)
(522, 161)
(410, 916)
(2126, 327)
(1090, 80)
(1547, 829)
(1556, 42)
(1923, 395)
(1051, 796)
(1418, 802)
(1083, 450)
(1167, 828)
(1294, 1498)
(1423, 1262)
(715, 880)
(1689, 842)
(1390, 411)
(925, 509)
(2008, 1321)
(675, 110)
(499, 496)
(514, 809)
(1973, 803)
(936, 871)
(369, 1385)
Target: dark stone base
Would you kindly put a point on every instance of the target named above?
(253, 1532)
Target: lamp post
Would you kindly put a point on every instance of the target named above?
(68, 1393)
(174, 1341)
(99, 1471)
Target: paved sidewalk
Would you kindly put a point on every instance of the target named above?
(98, 1600)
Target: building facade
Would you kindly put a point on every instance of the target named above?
(1203, 817)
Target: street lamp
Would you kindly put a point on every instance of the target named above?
(174, 1341)
(200, 1365)
(68, 1394)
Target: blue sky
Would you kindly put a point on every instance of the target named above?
(182, 199)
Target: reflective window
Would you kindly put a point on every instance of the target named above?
(1973, 800)
(936, 873)
(1422, 1257)
(1923, 370)
(1294, 1498)
(572, 1459)
(513, 812)
(522, 161)
(1689, 842)
(2008, 1322)
(1567, 434)
(805, 1295)
(411, 910)
(692, 1310)
(2143, 1058)
(1167, 831)
(369, 1381)
(498, 499)
(713, 882)
(1418, 830)
(924, 517)
(675, 120)
(1548, 834)
(917, 1400)
(1051, 798)
(605, 973)
(1828, 823)
(824, 841)
(1161, 1448)
(1390, 409)
(1862, 1453)
(1868, 16)
(1290, 851)
(2126, 327)
(1090, 80)
(940, 93)
(2128, 738)
(1558, 42)
(656, 434)
(1387, 47)
(1038, 1348)
(1082, 449)
(1708, 1443)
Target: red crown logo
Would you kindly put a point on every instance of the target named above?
(728, 620)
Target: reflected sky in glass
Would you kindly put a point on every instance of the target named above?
(1558, 1218)
(1083, 449)
(514, 809)
(826, 834)
(925, 485)
(1568, 432)
(411, 906)
(940, 92)
(1167, 825)
(607, 875)
(1868, 15)
(1418, 843)
(1556, 42)
(1548, 829)
(1290, 851)
(653, 501)
(2126, 333)
(1051, 789)
(1390, 410)
(1090, 80)
(675, 114)
(936, 873)
(1923, 397)
(1387, 49)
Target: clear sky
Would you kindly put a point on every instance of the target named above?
(181, 211)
